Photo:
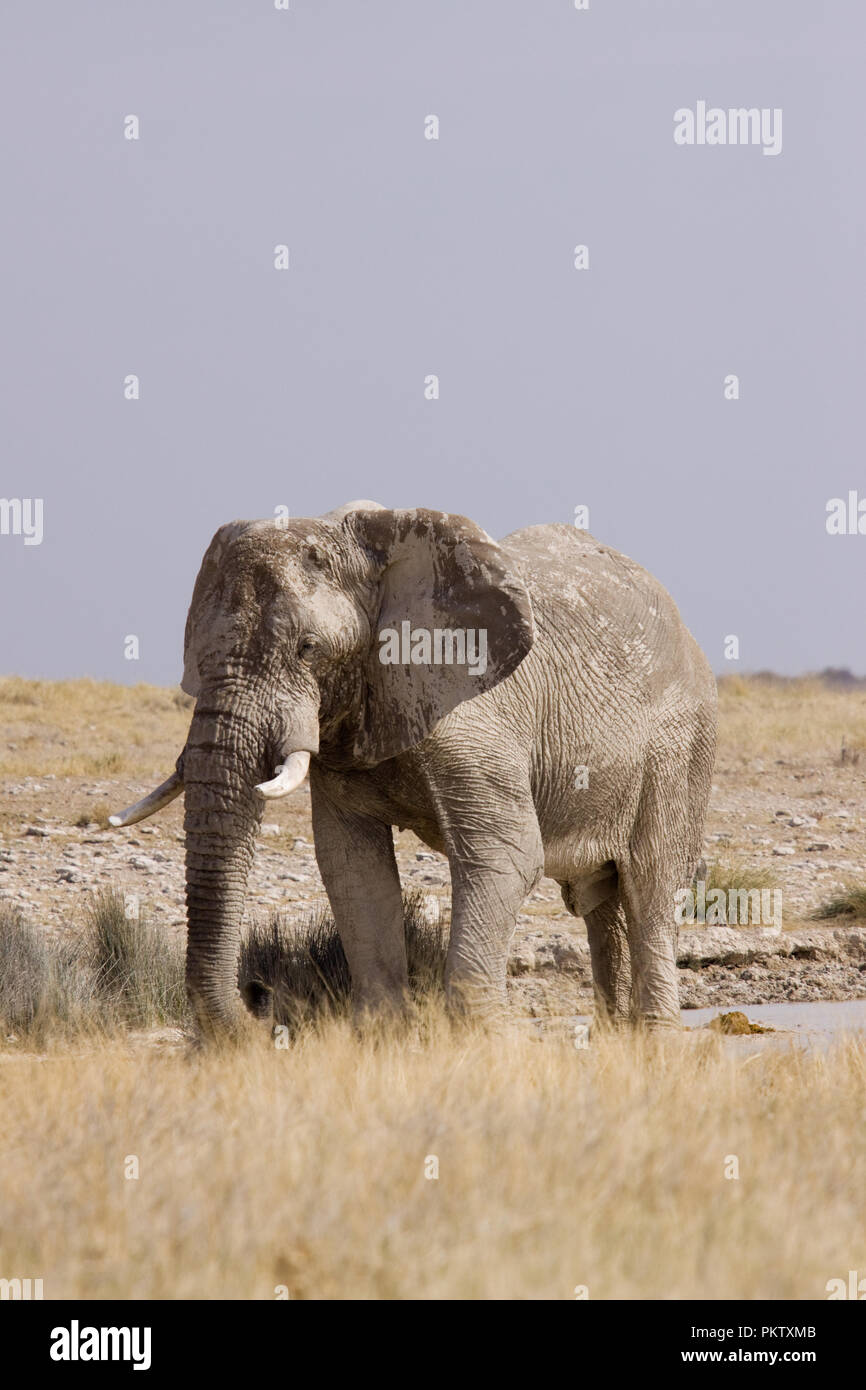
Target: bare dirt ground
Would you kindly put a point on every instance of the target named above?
(787, 809)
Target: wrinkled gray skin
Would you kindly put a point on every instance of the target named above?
(589, 664)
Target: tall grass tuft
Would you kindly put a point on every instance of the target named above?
(45, 986)
(732, 877)
(120, 973)
(138, 971)
(849, 903)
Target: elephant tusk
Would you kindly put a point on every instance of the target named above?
(155, 802)
(290, 774)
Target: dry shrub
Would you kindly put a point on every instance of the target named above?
(851, 902)
(45, 988)
(303, 967)
(126, 971)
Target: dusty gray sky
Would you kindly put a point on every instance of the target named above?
(410, 257)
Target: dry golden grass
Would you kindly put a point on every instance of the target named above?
(86, 728)
(558, 1167)
(769, 719)
(97, 729)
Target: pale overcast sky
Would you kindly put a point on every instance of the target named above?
(410, 257)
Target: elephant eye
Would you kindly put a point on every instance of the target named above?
(307, 648)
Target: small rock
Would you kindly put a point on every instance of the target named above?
(38, 830)
(522, 962)
(818, 845)
(271, 827)
(784, 849)
(571, 957)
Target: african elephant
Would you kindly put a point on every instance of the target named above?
(571, 734)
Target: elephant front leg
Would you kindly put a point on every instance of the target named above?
(356, 859)
(490, 878)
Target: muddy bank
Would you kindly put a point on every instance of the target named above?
(766, 966)
(719, 968)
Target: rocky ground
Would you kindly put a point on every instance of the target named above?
(796, 822)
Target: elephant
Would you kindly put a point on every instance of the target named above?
(529, 707)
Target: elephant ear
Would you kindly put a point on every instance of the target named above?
(206, 580)
(435, 574)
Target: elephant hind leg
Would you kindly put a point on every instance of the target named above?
(650, 874)
(700, 786)
(607, 930)
(599, 904)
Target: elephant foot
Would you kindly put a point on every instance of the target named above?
(472, 1004)
(382, 1009)
(658, 1023)
(605, 1022)
(231, 1027)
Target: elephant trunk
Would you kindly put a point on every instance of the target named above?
(225, 757)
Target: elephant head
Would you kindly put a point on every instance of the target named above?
(282, 654)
